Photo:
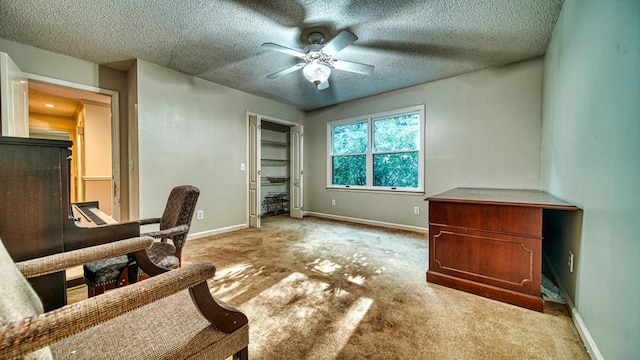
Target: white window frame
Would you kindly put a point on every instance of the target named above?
(420, 109)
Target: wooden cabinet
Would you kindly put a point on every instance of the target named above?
(489, 242)
(34, 202)
(35, 210)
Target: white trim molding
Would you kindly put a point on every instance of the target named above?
(217, 231)
(368, 222)
(583, 331)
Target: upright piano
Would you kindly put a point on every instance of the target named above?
(36, 214)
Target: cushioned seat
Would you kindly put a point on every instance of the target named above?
(104, 271)
(185, 335)
(173, 225)
(169, 316)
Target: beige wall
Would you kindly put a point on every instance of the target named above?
(482, 130)
(59, 123)
(591, 157)
(46, 63)
(131, 143)
(116, 80)
(97, 135)
(191, 131)
(97, 165)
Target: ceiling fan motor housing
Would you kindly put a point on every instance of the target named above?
(314, 52)
(316, 37)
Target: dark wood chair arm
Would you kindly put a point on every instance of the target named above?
(149, 221)
(167, 233)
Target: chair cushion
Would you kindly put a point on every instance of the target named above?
(171, 328)
(107, 270)
(163, 254)
(18, 299)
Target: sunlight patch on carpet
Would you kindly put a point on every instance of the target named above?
(329, 346)
(297, 305)
(325, 266)
(237, 273)
(356, 279)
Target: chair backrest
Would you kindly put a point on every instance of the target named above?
(179, 210)
(18, 300)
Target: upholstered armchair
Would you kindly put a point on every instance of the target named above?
(172, 315)
(173, 225)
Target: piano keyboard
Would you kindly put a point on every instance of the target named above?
(89, 215)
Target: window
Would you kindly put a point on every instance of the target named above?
(379, 152)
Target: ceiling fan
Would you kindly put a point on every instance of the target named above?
(318, 58)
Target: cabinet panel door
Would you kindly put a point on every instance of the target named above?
(503, 260)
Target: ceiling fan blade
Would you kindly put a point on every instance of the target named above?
(353, 67)
(344, 39)
(284, 49)
(323, 85)
(286, 71)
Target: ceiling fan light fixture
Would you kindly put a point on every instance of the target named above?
(317, 72)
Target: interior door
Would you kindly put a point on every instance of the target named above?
(297, 173)
(14, 94)
(254, 171)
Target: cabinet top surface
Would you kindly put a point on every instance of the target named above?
(10, 140)
(532, 198)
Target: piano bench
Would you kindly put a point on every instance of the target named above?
(111, 273)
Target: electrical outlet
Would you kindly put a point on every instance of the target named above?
(199, 214)
(333, 202)
(570, 263)
(416, 210)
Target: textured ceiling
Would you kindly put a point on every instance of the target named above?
(408, 41)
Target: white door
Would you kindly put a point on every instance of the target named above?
(254, 171)
(297, 173)
(14, 95)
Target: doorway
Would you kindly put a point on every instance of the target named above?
(85, 118)
(275, 168)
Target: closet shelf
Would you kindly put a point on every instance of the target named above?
(273, 180)
(274, 162)
(272, 143)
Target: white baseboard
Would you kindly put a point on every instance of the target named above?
(216, 231)
(583, 331)
(368, 222)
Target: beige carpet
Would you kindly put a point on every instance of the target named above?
(320, 289)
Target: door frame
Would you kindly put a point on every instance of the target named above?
(14, 98)
(257, 166)
(115, 131)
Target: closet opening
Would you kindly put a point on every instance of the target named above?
(276, 173)
(275, 169)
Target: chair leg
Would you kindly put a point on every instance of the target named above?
(123, 278)
(241, 355)
(93, 290)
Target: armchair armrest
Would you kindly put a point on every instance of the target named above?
(30, 334)
(149, 221)
(167, 233)
(62, 261)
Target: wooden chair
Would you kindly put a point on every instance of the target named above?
(172, 315)
(173, 225)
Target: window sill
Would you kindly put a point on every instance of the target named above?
(376, 191)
